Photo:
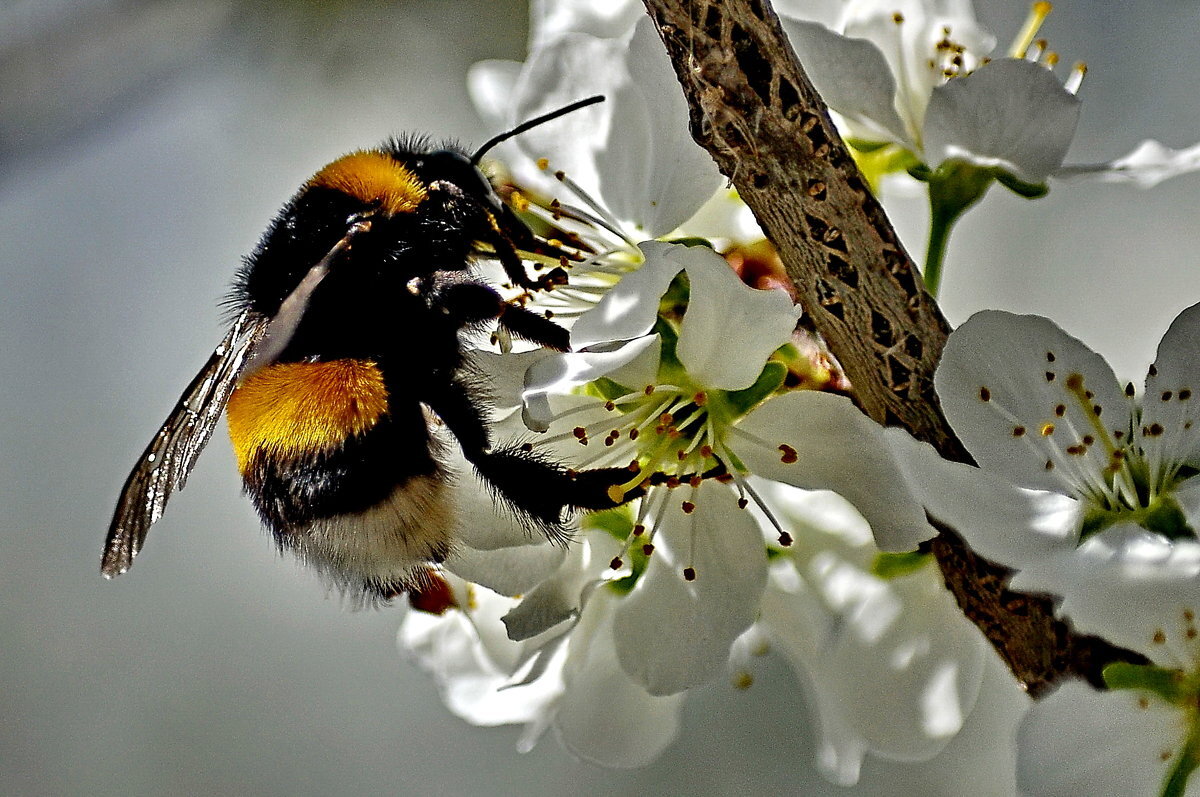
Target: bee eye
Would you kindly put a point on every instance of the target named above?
(447, 166)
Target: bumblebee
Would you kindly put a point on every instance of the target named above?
(343, 351)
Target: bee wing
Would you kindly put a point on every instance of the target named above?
(167, 461)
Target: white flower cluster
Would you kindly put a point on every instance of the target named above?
(763, 514)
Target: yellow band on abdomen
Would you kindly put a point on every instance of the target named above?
(296, 408)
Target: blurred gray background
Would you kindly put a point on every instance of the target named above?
(143, 147)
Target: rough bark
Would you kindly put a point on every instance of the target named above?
(755, 111)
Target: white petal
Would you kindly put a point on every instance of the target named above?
(635, 154)
(1005, 523)
(840, 449)
(895, 672)
(729, 328)
(465, 671)
(655, 177)
(1172, 397)
(1008, 113)
(604, 717)
(491, 84)
(565, 69)
(1146, 166)
(1002, 380)
(853, 78)
(672, 634)
(508, 571)
(561, 596)
(1134, 588)
(630, 308)
(609, 19)
(560, 374)
(1079, 741)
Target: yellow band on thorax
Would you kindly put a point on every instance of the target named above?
(297, 408)
(373, 177)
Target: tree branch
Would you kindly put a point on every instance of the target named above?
(755, 111)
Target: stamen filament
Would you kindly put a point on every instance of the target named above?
(1033, 23)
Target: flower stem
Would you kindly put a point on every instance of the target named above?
(953, 187)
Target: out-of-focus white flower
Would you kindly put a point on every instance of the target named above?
(566, 678)
(892, 666)
(1064, 451)
(1142, 736)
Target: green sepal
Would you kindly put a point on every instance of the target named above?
(606, 389)
(1161, 681)
(894, 565)
(1019, 186)
(691, 241)
(769, 380)
(1165, 517)
(616, 522)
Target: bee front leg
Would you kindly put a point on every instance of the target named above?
(470, 303)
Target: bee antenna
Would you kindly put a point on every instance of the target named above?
(534, 122)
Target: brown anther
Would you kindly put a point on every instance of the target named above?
(639, 530)
(985, 394)
(743, 503)
(1188, 615)
(1153, 370)
(1076, 451)
(666, 419)
(1049, 376)
(688, 507)
(616, 563)
(1096, 408)
(1049, 464)
(1075, 381)
(633, 434)
(898, 18)
(1185, 394)
(694, 481)
(527, 447)
(673, 482)
(1129, 391)
(706, 451)
(560, 175)
(700, 399)
(1050, 357)
(648, 549)
(1018, 431)
(1160, 637)
(579, 432)
(785, 539)
(680, 455)
(1060, 410)
(648, 390)
(1155, 429)
(1047, 429)
(1166, 395)
(689, 574)
(724, 478)
(789, 454)
(1088, 440)
(610, 406)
